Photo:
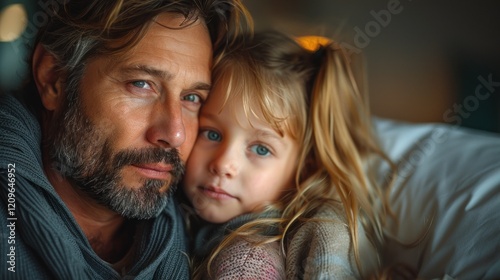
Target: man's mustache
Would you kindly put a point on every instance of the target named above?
(149, 156)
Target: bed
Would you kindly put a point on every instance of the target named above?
(448, 194)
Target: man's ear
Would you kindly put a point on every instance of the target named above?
(47, 78)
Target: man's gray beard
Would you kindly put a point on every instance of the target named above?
(80, 152)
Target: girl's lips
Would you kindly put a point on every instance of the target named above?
(154, 171)
(216, 193)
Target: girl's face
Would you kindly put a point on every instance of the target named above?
(239, 163)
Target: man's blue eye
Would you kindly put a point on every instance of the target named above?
(261, 150)
(212, 135)
(192, 98)
(140, 84)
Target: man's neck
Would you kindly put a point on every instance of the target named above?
(109, 234)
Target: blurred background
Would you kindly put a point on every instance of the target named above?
(425, 61)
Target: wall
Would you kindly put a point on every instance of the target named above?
(424, 59)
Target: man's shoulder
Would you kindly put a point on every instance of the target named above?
(9, 102)
(15, 116)
(20, 138)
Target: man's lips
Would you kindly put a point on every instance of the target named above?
(216, 193)
(154, 170)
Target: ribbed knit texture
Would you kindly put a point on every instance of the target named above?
(318, 249)
(322, 249)
(245, 261)
(48, 242)
(241, 259)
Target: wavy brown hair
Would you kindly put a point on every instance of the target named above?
(79, 30)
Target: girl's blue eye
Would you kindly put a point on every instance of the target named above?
(261, 150)
(212, 135)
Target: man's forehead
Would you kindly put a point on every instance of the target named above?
(168, 23)
(178, 20)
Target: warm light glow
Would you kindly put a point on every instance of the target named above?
(13, 22)
(312, 43)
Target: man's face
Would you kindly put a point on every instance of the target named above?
(133, 125)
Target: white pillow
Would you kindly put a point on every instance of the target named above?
(449, 183)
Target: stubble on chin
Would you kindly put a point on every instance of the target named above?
(82, 153)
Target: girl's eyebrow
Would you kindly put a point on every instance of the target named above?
(261, 133)
(268, 134)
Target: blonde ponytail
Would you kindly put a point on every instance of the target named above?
(340, 141)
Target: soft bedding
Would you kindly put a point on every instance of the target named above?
(447, 196)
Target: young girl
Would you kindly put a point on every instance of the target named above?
(280, 172)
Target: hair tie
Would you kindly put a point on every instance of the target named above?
(318, 47)
(313, 43)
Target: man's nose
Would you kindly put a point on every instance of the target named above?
(167, 125)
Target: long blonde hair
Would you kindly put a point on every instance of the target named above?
(314, 97)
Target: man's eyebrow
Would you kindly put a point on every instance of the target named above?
(164, 75)
(201, 86)
(148, 70)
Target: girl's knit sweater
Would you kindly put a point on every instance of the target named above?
(318, 249)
